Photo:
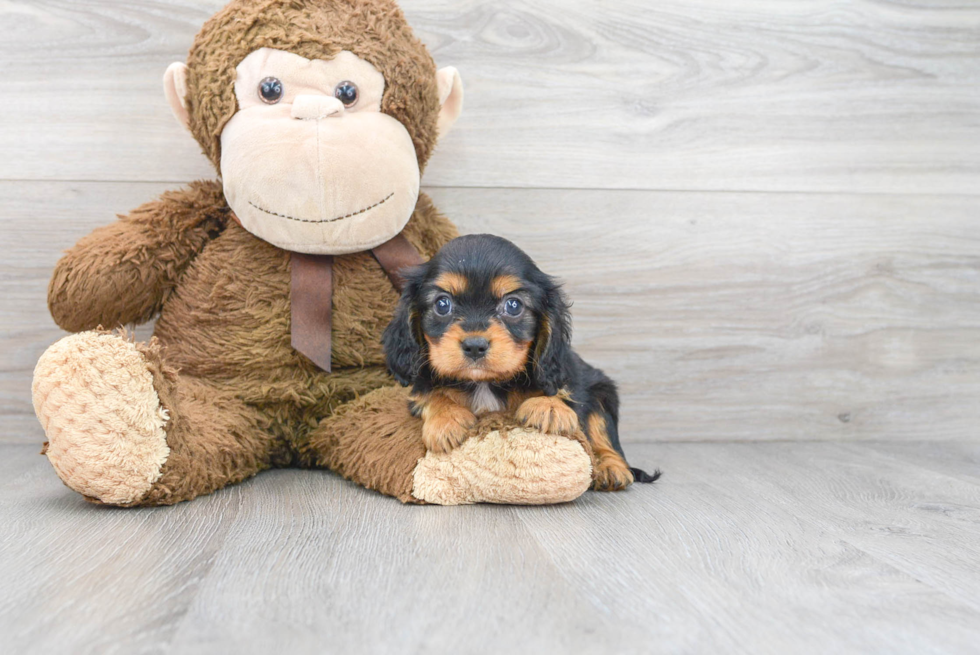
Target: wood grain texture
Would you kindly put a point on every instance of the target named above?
(87, 579)
(740, 548)
(922, 522)
(705, 94)
(747, 546)
(957, 459)
(722, 315)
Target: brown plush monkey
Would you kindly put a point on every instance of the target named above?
(320, 116)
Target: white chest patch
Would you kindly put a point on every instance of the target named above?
(483, 400)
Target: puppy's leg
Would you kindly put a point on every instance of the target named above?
(446, 421)
(612, 473)
(550, 414)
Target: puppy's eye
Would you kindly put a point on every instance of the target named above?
(443, 305)
(346, 92)
(513, 307)
(270, 90)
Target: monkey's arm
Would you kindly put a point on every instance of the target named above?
(122, 273)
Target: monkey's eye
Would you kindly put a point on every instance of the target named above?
(346, 92)
(443, 305)
(270, 90)
(513, 307)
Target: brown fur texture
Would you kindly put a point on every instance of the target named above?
(374, 30)
(243, 400)
(129, 268)
(238, 397)
(215, 439)
(373, 441)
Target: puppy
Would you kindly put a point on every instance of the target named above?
(481, 329)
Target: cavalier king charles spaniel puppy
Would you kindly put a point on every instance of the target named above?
(480, 329)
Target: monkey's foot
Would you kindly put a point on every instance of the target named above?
(94, 396)
(518, 466)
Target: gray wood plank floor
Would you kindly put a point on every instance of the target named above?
(741, 548)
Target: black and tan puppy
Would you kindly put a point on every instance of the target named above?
(481, 329)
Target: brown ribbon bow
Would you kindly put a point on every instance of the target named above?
(311, 294)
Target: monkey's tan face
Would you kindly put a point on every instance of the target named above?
(309, 162)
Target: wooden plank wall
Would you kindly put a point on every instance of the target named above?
(766, 211)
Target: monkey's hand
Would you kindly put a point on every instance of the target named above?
(121, 273)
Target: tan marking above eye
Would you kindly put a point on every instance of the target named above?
(504, 284)
(454, 283)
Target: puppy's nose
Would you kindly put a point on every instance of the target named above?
(475, 347)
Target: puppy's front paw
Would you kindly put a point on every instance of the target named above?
(549, 414)
(447, 428)
(612, 474)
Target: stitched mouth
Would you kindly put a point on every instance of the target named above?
(326, 220)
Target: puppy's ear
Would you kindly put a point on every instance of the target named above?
(553, 344)
(402, 338)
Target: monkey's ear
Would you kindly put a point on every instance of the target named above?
(450, 98)
(175, 88)
(553, 344)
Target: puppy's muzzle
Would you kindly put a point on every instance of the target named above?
(475, 348)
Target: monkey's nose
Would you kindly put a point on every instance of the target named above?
(311, 108)
(475, 347)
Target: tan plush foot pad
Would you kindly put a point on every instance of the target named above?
(95, 399)
(521, 467)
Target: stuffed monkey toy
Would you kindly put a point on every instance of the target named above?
(272, 286)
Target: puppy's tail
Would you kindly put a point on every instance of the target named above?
(639, 475)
